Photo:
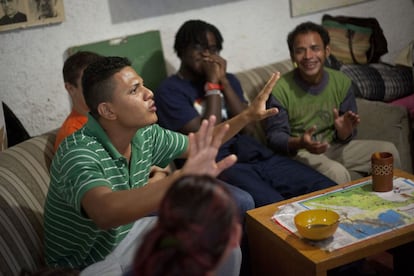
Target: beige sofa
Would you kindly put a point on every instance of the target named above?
(24, 173)
(24, 180)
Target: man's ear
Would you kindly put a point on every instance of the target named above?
(327, 51)
(69, 87)
(105, 111)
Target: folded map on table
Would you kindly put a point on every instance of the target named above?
(363, 213)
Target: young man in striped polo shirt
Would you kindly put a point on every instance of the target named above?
(98, 195)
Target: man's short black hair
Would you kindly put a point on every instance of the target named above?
(304, 28)
(97, 81)
(195, 32)
(76, 63)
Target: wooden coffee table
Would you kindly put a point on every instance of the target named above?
(276, 251)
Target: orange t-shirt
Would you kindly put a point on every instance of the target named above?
(72, 123)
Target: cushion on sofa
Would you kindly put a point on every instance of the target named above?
(380, 81)
(383, 121)
(24, 180)
(407, 102)
(253, 80)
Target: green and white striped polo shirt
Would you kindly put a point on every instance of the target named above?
(87, 159)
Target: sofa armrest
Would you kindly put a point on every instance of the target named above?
(24, 181)
(382, 121)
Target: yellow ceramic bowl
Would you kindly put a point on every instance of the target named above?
(317, 224)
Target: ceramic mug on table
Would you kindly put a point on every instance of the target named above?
(382, 171)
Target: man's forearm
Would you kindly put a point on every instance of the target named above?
(236, 124)
(295, 144)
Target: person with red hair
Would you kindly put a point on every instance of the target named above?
(198, 227)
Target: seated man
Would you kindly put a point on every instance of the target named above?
(99, 197)
(201, 88)
(318, 113)
(72, 76)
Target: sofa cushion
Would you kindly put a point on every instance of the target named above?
(253, 80)
(407, 102)
(380, 81)
(24, 180)
(383, 121)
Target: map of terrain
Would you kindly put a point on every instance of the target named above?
(366, 213)
(363, 212)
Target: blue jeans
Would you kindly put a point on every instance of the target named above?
(243, 199)
(266, 176)
(244, 202)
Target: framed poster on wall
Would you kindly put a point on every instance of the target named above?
(16, 14)
(302, 7)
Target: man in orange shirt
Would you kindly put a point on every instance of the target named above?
(72, 76)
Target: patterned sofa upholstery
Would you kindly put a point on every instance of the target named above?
(24, 180)
(379, 120)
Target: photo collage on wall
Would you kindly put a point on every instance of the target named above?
(15, 14)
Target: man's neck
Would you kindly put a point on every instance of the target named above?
(119, 137)
(310, 80)
(80, 110)
(186, 74)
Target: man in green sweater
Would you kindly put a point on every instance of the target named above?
(318, 113)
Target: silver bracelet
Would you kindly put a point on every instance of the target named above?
(214, 92)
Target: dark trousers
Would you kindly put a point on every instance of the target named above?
(266, 176)
(274, 179)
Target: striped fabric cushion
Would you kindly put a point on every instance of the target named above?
(24, 180)
(253, 80)
(380, 81)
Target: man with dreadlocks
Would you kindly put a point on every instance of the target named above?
(201, 88)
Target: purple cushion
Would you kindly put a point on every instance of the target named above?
(407, 102)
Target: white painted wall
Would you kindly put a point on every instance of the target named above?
(254, 34)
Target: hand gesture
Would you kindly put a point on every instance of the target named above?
(346, 123)
(157, 173)
(315, 147)
(203, 150)
(257, 108)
